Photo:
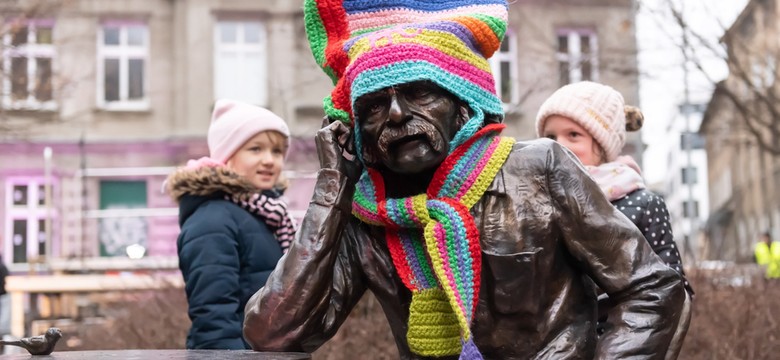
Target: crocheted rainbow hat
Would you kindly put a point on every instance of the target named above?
(368, 45)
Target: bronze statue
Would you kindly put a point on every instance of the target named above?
(476, 246)
(37, 345)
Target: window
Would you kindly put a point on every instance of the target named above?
(696, 141)
(117, 230)
(692, 108)
(26, 220)
(123, 61)
(27, 56)
(504, 67)
(763, 72)
(689, 175)
(577, 55)
(687, 209)
(770, 70)
(240, 70)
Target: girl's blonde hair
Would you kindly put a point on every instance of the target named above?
(279, 139)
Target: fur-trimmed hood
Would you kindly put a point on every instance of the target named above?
(206, 181)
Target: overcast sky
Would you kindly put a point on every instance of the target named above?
(660, 62)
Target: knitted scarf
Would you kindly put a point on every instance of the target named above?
(618, 178)
(434, 242)
(272, 211)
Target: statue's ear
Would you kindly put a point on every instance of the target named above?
(464, 114)
(369, 158)
(493, 119)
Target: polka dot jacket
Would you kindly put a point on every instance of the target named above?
(648, 212)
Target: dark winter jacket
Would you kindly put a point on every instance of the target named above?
(648, 212)
(225, 254)
(3, 275)
(543, 224)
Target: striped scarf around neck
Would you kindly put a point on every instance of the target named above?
(434, 242)
(272, 210)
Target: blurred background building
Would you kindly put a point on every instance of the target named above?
(741, 126)
(686, 189)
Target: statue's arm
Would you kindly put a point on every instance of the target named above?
(648, 295)
(316, 284)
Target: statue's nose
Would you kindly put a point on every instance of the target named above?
(399, 110)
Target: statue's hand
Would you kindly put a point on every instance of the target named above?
(336, 150)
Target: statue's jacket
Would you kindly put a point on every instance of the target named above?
(548, 236)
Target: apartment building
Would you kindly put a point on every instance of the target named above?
(686, 192)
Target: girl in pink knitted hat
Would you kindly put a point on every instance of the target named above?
(234, 225)
(591, 120)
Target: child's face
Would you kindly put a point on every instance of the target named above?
(260, 159)
(574, 137)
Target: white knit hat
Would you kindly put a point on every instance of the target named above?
(233, 123)
(597, 108)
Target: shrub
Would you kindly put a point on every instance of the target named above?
(736, 315)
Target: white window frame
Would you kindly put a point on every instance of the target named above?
(509, 56)
(124, 52)
(32, 51)
(241, 48)
(574, 56)
(33, 213)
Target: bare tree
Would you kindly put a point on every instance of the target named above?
(31, 87)
(749, 49)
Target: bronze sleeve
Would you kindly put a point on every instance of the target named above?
(316, 284)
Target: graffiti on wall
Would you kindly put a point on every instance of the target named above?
(117, 233)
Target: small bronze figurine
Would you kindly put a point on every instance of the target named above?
(38, 345)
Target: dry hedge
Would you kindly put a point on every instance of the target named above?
(736, 316)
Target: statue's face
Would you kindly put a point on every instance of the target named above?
(408, 128)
